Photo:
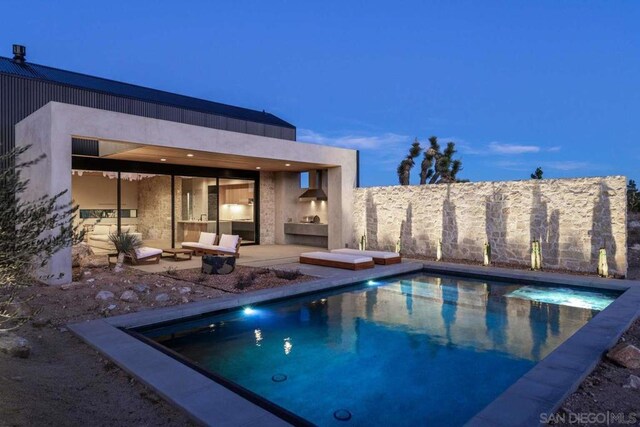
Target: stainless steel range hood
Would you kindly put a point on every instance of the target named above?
(315, 191)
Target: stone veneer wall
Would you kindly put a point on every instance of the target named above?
(267, 208)
(154, 208)
(572, 218)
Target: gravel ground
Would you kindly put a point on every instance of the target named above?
(66, 383)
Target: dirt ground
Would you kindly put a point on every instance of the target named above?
(66, 383)
(604, 390)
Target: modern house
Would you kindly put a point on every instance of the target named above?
(169, 166)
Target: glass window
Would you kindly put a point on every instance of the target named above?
(196, 207)
(148, 197)
(237, 208)
(96, 194)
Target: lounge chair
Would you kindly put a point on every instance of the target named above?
(143, 255)
(229, 244)
(337, 260)
(379, 257)
(205, 240)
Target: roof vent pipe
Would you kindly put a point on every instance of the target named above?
(19, 53)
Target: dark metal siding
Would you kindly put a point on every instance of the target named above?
(19, 97)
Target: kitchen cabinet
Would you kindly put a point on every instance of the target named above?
(239, 194)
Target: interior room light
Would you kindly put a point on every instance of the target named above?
(287, 164)
(163, 160)
(258, 167)
(189, 155)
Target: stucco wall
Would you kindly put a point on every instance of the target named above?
(572, 218)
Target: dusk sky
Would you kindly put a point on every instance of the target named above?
(516, 84)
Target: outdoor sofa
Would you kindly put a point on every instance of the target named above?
(229, 244)
(99, 236)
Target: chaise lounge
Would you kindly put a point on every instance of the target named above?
(143, 255)
(337, 260)
(379, 257)
(229, 244)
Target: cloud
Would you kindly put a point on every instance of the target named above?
(554, 149)
(567, 165)
(357, 142)
(511, 165)
(499, 148)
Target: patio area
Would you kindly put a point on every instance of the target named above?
(252, 256)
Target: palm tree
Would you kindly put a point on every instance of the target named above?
(126, 244)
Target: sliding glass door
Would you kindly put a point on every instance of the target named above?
(164, 204)
(196, 201)
(237, 208)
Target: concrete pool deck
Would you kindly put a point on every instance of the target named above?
(541, 391)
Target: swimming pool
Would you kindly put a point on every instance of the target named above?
(421, 348)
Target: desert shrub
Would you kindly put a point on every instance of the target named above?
(246, 280)
(287, 274)
(31, 231)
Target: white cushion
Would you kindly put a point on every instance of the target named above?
(127, 228)
(372, 254)
(113, 229)
(222, 249)
(332, 256)
(146, 251)
(101, 229)
(209, 247)
(207, 238)
(229, 241)
(99, 237)
(194, 244)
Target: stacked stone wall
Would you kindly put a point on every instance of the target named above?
(572, 218)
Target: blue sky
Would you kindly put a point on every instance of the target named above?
(517, 84)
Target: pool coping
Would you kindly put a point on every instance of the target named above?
(540, 391)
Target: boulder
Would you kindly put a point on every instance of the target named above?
(626, 355)
(140, 288)
(184, 290)
(80, 253)
(162, 297)
(632, 382)
(14, 345)
(104, 295)
(129, 296)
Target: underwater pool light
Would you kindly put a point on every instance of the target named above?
(372, 283)
(248, 310)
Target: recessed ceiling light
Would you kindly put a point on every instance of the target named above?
(287, 164)
(163, 160)
(189, 155)
(258, 167)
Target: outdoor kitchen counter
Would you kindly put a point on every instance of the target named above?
(306, 229)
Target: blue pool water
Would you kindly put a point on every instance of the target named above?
(418, 349)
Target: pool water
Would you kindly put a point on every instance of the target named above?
(417, 349)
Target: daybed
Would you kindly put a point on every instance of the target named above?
(337, 260)
(229, 244)
(379, 257)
